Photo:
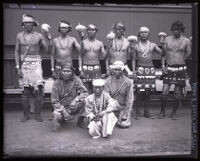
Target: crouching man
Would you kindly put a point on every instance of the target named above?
(67, 97)
(99, 108)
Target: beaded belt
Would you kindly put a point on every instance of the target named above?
(88, 67)
(33, 63)
(176, 69)
(145, 70)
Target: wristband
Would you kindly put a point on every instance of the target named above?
(17, 66)
(52, 69)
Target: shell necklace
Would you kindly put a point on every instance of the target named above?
(92, 45)
(63, 45)
(118, 47)
(25, 40)
(144, 50)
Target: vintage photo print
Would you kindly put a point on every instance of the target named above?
(100, 80)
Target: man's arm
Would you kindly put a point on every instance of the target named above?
(129, 97)
(157, 49)
(17, 50)
(188, 49)
(80, 56)
(76, 45)
(52, 53)
(133, 61)
(103, 51)
(163, 56)
(82, 90)
(55, 96)
(45, 43)
(17, 56)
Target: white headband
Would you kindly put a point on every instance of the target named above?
(143, 29)
(117, 65)
(162, 34)
(91, 26)
(62, 24)
(98, 82)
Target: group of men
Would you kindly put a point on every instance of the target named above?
(97, 103)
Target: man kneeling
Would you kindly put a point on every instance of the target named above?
(67, 97)
(99, 108)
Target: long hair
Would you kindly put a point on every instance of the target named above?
(66, 22)
(178, 24)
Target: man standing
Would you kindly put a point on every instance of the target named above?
(68, 94)
(117, 49)
(89, 63)
(120, 88)
(177, 48)
(27, 47)
(62, 48)
(144, 73)
(99, 108)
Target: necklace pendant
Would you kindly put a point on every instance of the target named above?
(144, 55)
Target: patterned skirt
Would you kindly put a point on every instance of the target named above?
(145, 78)
(91, 72)
(32, 72)
(176, 74)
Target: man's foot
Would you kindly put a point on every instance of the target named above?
(149, 116)
(25, 119)
(173, 116)
(82, 122)
(39, 119)
(107, 136)
(137, 117)
(161, 116)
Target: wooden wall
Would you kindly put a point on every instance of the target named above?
(156, 17)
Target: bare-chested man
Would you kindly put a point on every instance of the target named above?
(62, 48)
(177, 48)
(118, 50)
(27, 47)
(89, 63)
(144, 73)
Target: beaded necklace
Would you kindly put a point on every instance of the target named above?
(92, 45)
(25, 40)
(63, 46)
(118, 49)
(144, 50)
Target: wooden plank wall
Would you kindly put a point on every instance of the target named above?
(156, 17)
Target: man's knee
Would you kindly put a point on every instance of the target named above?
(57, 115)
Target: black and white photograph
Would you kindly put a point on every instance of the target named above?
(100, 80)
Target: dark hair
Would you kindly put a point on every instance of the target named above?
(119, 23)
(178, 24)
(63, 21)
(29, 15)
(70, 67)
(93, 25)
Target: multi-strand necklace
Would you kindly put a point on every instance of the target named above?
(118, 48)
(98, 103)
(63, 45)
(92, 45)
(26, 41)
(144, 50)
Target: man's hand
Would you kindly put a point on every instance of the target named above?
(46, 30)
(19, 73)
(164, 70)
(102, 113)
(134, 76)
(54, 75)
